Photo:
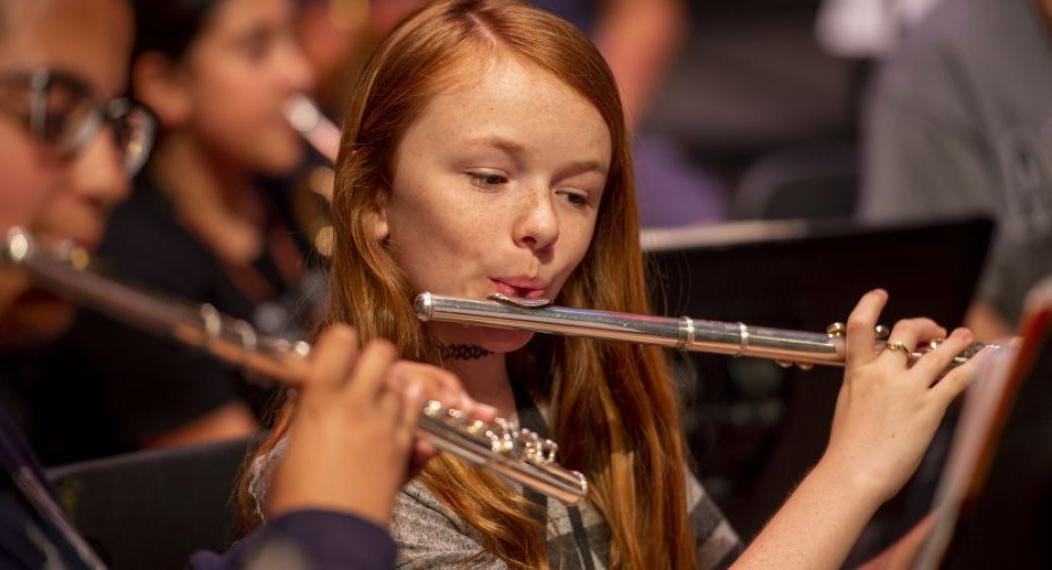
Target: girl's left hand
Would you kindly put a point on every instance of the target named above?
(887, 411)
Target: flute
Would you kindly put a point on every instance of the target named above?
(308, 120)
(786, 347)
(519, 455)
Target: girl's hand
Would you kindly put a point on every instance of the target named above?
(887, 411)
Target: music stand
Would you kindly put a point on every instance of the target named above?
(994, 502)
(772, 425)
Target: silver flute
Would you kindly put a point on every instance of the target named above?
(308, 120)
(519, 455)
(787, 347)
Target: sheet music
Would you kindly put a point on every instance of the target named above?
(978, 414)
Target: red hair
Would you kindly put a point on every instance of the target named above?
(613, 405)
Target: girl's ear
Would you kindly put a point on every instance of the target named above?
(162, 86)
(379, 221)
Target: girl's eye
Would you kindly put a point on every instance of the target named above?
(255, 49)
(576, 199)
(487, 179)
(256, 45)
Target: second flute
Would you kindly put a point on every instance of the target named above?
(518, 455)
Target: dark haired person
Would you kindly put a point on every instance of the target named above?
(69, 144)
(198, 226)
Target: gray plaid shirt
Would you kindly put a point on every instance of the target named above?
(429, 535)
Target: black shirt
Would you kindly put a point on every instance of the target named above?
(106, 387)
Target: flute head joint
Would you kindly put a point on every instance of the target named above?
(423, 306)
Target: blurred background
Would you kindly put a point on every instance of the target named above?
(790, 155)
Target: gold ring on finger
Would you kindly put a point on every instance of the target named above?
(899, 346)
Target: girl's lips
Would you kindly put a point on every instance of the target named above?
(521, 292)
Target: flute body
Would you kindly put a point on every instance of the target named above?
(308, 120)
(786, 347)
(516, 454)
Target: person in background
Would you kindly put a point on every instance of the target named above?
(42, 184)
(960, 123)
(198, 226)
(867, 29)
(69, 143)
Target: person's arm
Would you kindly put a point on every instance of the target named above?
(348, 450)
(886, 415)
(157, 392)
(638, 38)
(926, 156)
(307, 539)
(229, 421)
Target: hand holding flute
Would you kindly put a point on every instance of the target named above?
(888, 410)
(354, 424)
(450, 421)
(886, 414)
(897, 387)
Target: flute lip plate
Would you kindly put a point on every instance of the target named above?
(520, 302)
(424, 304)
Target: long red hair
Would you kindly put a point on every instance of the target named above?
(613, 405)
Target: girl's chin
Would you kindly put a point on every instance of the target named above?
(500, 341)
(503, 341)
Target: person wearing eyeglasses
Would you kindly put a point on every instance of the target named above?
(67, 147)
(70, 144)
(69, 120)
(199, 226)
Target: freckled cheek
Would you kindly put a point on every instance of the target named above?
(575, 248)
(440, 247)
(455, 220)
(459, 248)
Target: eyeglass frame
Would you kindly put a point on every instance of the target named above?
(113, 113)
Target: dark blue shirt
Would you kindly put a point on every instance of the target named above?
(35, 533)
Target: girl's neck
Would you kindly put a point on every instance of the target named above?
(486, 380)
(213, 201)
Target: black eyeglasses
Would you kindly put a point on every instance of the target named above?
(60, 111)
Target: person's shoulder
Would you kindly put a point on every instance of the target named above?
(430, 535)
(937, 73)
(959, 34)
(416, 503)
(959, 22)
(144, 241)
